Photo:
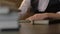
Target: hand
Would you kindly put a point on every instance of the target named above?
(38, 17)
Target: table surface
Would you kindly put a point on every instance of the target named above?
(40, 29)
(37, 29)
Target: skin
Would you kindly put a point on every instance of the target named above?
(43, 16)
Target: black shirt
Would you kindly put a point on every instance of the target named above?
(53, 7)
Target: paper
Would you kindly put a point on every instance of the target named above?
(41, 22)
(4, 10)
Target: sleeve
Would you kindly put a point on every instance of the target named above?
(24, 6)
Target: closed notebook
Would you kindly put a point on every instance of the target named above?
(35, 22)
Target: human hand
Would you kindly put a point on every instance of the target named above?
(38, 17)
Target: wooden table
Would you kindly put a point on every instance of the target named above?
(39, 29)
(36, 29)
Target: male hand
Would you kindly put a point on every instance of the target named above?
(38, 17)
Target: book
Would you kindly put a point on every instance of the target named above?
(35, 22)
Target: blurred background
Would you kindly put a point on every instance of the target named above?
(7, 16)
(13, 4)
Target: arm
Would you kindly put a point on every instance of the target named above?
(54, 15)
(24, 7)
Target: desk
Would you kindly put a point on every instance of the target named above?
(39, 29)
(9, 32)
